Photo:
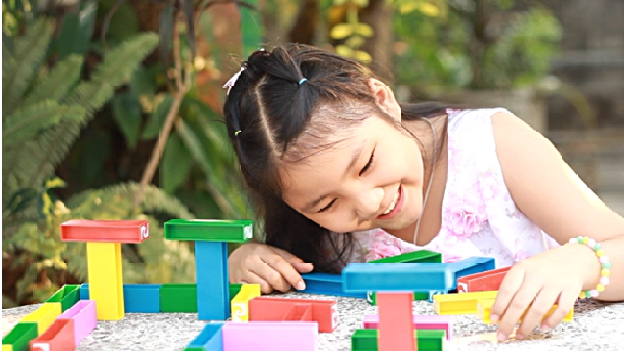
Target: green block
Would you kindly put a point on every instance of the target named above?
(421, 256)
(217, 231)
(182, 297)
(428, 340)
(21, 335)
(370, 297)
(68, 295)
(193, 349)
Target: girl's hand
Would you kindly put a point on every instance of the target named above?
(552, 277)
(272, 268)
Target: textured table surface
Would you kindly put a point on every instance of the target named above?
(597, 326)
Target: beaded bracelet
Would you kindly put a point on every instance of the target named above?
(605, 271)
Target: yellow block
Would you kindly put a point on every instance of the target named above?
(44, 316)
(240, 310)
(7, 347)
(105, 279)
(484, 307)
(460, 303)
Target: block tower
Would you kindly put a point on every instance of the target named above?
(211, 239)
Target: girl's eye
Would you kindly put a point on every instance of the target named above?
(368, 165)
(329, 205)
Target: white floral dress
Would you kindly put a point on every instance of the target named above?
(479, 216)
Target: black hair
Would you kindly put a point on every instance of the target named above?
(273, 117)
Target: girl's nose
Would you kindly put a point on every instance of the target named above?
(368, 202)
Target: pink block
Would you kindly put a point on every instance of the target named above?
(270, 336)
(421, 322)
(84, 314)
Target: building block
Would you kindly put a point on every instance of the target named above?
(44, 316)
(240, 310)
(460, 303)
(396, 328)
(470, 266)
(482, 281)
(209, 339)
(68, 295)
(141, 298)
(427, 340)
(105, 279)
(327, 284)
(270, 336)
(235, 288)
(209, 230)
(421, 322)
(484, 307)
(275, 309)
(58, 337)
(20, 336)
(420, 256)
(371, 297)
(211, 268)
(84, 315)
(105, 231)
(299, 312)
(178, 298)
(7, 347)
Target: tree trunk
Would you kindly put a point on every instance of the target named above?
(305, 27)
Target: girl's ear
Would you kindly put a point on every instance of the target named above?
(385, 98)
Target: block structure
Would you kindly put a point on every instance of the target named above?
(211, 259)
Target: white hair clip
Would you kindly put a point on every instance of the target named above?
(233, 80)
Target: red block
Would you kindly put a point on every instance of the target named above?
(104, 231)
(276, 309)
(396, 327)
(299, 312)
(58, 337)
(482, 281)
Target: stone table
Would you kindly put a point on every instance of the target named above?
(597, 326)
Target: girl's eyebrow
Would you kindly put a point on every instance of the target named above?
(355, 156)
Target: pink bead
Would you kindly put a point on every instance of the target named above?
(604, 280)
(604, 259)
(573, 241)
(591, 243)
(594, 293)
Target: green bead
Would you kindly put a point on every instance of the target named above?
(588, 293)
(580, 239)
(606, 265)
(597, 247)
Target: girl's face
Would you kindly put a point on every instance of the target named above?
(372, 179)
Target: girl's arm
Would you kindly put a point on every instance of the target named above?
(546, 189)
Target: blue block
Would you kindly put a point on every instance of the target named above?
(213, 291)
(435, 292)
(417, 277)
(138, 298)
(209, 339)
(327, 284)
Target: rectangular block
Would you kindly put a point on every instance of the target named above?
(141, 298)
(209, 230)
(178, 298)
(484, 307)
(20, 336)
(105, 231)
(326, 284)
(427, 340)
(58, 337)
(421, 322)
(209, 339)
(44, 316)
(270, 336)
(68, 295)
(7, 347)
(460, 303)
(470, 266)
(275, 309)
(240, 309)
(420, 256)
(105, 279)
(371, 297)
(211, 269)
(84, 314)
(396, 331)
(235, 288)
(482, 281)
(299, 312)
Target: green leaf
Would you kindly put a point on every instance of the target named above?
(76, 31)
(252, 30)
(143, 81)
(127, 114)
(188, 8)
(157, 119)
(175, 165)
(165, 31)
(97, 147)
(58, 82)
(19, 70)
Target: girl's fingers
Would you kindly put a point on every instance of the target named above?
(538, 310)
(506, 292)
(252, 277)
(288, 275)
(565, 305)
(273, 277)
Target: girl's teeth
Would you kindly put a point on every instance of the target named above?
(392, 204)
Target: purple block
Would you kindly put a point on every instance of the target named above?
(84, 314)
(421, 322)
(270, 336)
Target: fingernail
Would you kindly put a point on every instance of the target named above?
(519, 336)
(501, 336)
(494, 319)
(301, 286)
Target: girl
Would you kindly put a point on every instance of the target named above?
(340, 172)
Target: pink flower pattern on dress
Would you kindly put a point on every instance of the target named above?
(464, 218)
(384, 245)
